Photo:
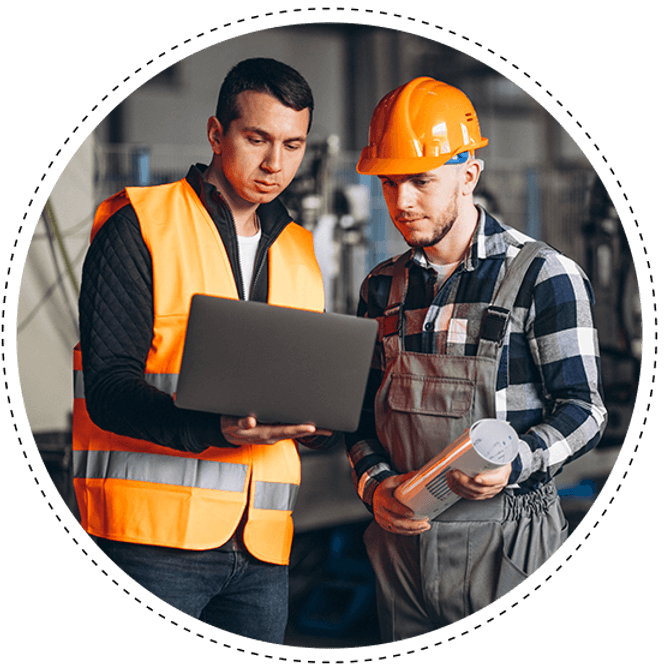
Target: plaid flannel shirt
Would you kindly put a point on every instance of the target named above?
(548, 383)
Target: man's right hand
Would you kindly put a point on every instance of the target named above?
(246, 430)
(391, 514)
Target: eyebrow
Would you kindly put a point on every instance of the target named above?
(268, 136)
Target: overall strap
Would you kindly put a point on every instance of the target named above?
(498, 313)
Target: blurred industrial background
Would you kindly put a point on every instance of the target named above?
(536, 179)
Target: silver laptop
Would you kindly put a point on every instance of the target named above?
(280, 365)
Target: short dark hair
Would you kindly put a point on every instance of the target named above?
(265, 75)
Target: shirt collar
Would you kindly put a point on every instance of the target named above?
(274, 216)
(207, 192)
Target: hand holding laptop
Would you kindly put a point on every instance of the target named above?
(272, 372)
(244, 430)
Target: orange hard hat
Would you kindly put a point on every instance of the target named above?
(419, 127)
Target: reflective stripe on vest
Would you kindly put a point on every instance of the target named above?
(160, 468)
(137, 491)
(167, 470)
(275, 496)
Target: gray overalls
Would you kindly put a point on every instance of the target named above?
(476, 551)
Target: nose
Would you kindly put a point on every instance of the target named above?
(403, 197)
(272, 160)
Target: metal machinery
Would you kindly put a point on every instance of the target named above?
(327, 199)
(617, 311)
(610, 268)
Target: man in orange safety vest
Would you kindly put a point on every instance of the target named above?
(196, 507)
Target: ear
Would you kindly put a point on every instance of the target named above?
(214, 133)
(470, 177)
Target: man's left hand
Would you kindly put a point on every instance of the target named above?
(483, 486)
(247, 431)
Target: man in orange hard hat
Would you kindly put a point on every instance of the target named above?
(476, 320)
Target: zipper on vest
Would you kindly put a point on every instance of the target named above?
(259, 268)
(263, 257)
(236, 247)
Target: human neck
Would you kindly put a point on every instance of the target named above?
(243, 212)
(248, 225)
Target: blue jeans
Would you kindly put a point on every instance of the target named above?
(228, 589)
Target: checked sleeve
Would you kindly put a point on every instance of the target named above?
(563, 343)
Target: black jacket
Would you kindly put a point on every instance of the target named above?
(116, 320)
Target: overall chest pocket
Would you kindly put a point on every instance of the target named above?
(426, 395)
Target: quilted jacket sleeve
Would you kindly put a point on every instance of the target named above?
(116, 316)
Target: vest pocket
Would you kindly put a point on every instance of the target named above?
(426, 395)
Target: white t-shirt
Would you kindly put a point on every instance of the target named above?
(248, 246)
(444, 271)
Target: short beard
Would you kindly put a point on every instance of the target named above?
(442, 228)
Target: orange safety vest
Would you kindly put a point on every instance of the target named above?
(136, 491)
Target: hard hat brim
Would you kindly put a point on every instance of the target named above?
(399, 166)
(409, 166)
